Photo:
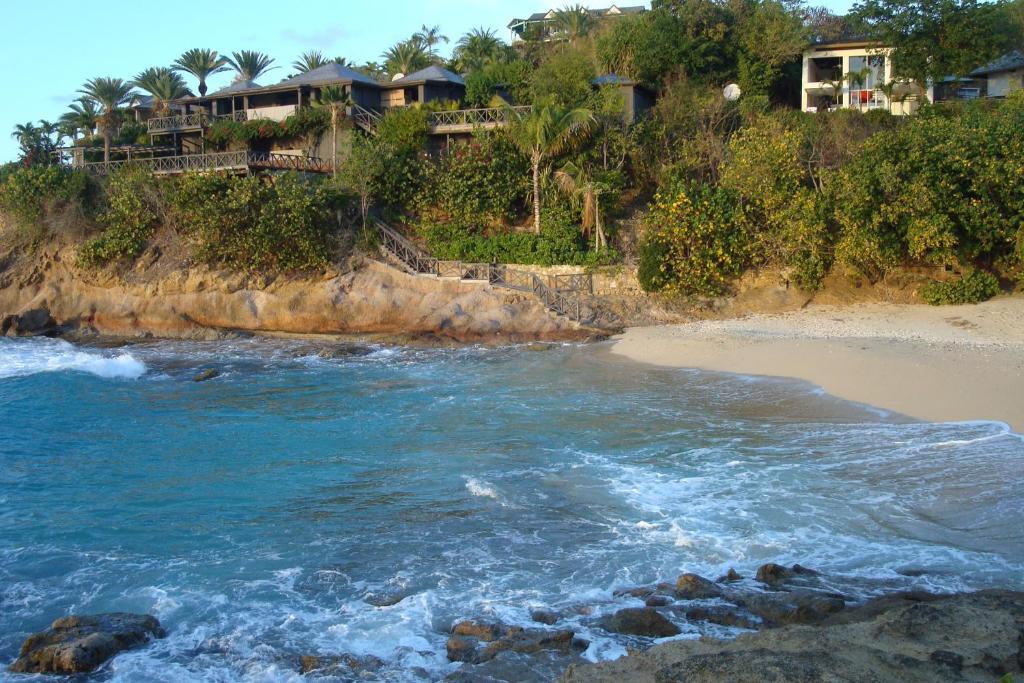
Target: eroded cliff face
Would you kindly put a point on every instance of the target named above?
(46, 289)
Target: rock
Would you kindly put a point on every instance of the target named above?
(206, 375)
(543, 616)
(485, 631)
(384, 599)
(34, 322)
(796, 607)
(773, 573)
(339, 663)
(694, 587)
(638, 592)
(640, 621)
(723, 616)
(461, 649)
(658, 601)
(730, 577)
(80, 644)
(529, 641)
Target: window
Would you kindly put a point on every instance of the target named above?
(968, 93)
(866, 74)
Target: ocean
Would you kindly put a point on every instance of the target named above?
(361, 501)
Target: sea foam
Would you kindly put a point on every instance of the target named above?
(23, 357)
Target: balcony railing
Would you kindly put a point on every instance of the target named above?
(465, 120)
(187, 122)
(242, 161)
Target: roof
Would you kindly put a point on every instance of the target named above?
(328, 73)
(431, 73)
(614, 10)
(1011, 61)
(237, 86)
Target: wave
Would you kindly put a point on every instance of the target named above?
(24, 357)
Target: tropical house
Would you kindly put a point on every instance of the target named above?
(854, 73)
(1001, 77)
(541, 25)
(636, 98)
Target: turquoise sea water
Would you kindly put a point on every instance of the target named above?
(262, 514)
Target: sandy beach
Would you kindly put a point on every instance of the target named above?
(949, 363)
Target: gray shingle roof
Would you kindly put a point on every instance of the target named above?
(1008, 62)
(237, 86)
(597, 13)
(329, 73)
(432, 73)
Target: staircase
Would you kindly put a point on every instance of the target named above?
(561, 294)
(367, 119)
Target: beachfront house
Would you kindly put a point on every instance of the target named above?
(856, 74)
(543, 25)
(1001, 77)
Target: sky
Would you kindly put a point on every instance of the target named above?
(49, 48)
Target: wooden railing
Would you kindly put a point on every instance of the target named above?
(560, 293)
(183, 122)
(467, 119)
(217, 161)
(367, 119)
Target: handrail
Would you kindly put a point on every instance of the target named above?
(169, 124)
(216, 161)
(367, 119)
(561, 293)
(474, 117)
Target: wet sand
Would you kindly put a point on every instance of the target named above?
(941, 364)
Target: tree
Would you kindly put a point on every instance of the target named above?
(308, 61)
(575, 181)
(110, 94)
(360, 172)
(477, 49)
(82, 117)
(374, 70)
(29, 138)
(933, 39)
(335, 100)
(565, 78)
(430, 37)
(250, 64)
(201, 63)
(164, 85)
(406, 57)
(543, 132)
(574, 22)
(770, 36)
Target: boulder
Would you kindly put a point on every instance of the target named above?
(339, 663)
(723, 616)
(773, 573)
(658, 601)
(485, 631)
(80, 644)
(797, 607)
(640, 621)
(461, 649)
(731, 576)
(475, 643)
(694, 587)
(544, 616)
(206, 375)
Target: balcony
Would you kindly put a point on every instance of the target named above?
(184, 123)
(230, 162)
(468, 120)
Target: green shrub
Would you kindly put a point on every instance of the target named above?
(255, 224)
(972, 288)
(694, 237)
(940, 189)
(131, 215)
(306, 122)
(26, 192)
(486, 179)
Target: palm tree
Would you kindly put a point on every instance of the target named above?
(82, 117)
(430, 37)
(477, 49)
(341, 60)
(336, 101)
(250, 64)
(164, 85)
(28, 136)
(110, 94)
(546, 131)
(577, 183)
(374, 70)
(314, 59)
(202, 64)
(574, 22)
(406, 57)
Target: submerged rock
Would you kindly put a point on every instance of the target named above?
(80, 644)
(730, 576)
(773, 573)
(206, 375)
(640, 621)
(694, 587)
(339, 663)
(545, 616)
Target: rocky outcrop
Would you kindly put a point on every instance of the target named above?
(912, 638)
(80, 644)
(161, 299)
(694, 587)
(476, 642)
(640, 621)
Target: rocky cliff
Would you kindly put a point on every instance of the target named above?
(45, 290)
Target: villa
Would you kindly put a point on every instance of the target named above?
(541, 24)
(856, 74)
(1002, 76)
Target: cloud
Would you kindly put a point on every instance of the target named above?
(322, 38)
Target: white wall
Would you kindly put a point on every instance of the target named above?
(1003, 83)
(279, 113)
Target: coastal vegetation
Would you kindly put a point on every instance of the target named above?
(719, 187)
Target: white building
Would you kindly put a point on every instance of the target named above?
(1002, 76)
(856, 74)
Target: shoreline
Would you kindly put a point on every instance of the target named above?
(938, 364)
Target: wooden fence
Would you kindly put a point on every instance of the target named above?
(242, 161)
(184, 122)
(562, 294)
